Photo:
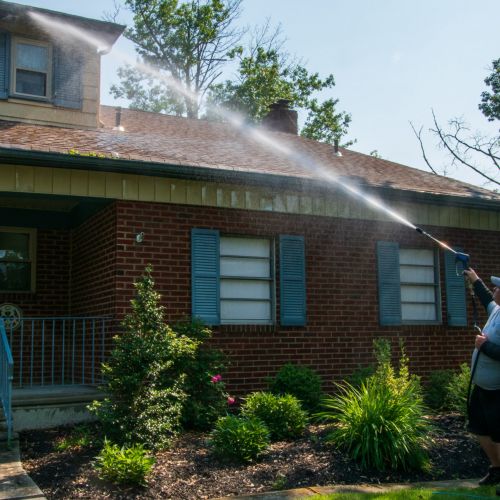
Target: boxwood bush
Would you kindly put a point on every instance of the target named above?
(283, 415)
(299, 381)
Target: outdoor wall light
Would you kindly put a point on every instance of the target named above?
(139, 237)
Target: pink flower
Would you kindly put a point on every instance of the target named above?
(215, 379)
(231, 401)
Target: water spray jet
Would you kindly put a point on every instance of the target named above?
(240, 123)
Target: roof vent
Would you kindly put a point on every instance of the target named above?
(336, 147)
(281, 118)
(118, 119)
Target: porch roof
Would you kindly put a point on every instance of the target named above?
(153, 143)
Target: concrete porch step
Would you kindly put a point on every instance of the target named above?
(50, 406)
(54, 394)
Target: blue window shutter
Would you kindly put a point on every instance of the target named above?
(389, 286)
(455, 292)
(68, 74)
(293, 281)
(205, 264)
(4, 65)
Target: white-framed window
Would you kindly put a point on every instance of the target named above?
(31, 68)
(246, 280)
(419, 282)
(17, 259)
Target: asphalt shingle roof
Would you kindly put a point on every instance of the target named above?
(162, 139)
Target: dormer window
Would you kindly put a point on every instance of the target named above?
(31, 75)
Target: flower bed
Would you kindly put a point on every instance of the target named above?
(190, 471)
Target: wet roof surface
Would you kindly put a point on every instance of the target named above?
(162, 139)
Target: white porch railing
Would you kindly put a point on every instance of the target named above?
(58, 350)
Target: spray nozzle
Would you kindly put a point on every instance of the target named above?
(463, 260)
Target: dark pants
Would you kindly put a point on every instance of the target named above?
(484, 413)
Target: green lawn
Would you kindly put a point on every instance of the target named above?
(417, 494)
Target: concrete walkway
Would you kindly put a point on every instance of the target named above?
(15, 484)
(356, 488)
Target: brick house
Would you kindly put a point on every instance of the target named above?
(283, 263)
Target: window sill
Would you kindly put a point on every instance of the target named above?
(239, 328)
(421, 323)
(39, 101)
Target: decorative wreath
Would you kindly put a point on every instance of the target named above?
(11, 315)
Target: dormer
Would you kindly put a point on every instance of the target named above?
(50, 66)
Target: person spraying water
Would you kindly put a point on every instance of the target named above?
(484, 402)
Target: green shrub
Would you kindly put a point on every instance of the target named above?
(382, 423)
(239, 439)
(283, 415)
(436, 389)
(123, 465)
(145, 375)
(207, 398)
(158, 378)
(457, 388)
(299, 381)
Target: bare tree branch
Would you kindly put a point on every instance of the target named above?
(456, 157)
(418, 135)
(112, 16)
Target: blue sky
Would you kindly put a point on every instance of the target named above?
(393, 60)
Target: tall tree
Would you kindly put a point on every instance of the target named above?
(476, 152)
(188, 42)
(265, 75)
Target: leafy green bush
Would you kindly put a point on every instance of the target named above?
(457, 390)
(283, 415)
(436, 389)
(299, 381)
(382, 423)
(124, 465)
(207, 398)
(239, 439)
(145, 375)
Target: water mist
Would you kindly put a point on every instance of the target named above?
(235, 119)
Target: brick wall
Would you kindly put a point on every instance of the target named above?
(93, 261)
(51, 296)
(90, 271)
(342, 299)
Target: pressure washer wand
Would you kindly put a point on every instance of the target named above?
(463, 258)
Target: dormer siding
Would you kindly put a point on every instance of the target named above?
(72, 88)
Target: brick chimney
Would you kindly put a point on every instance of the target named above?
(281, 118)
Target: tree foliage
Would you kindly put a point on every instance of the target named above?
(191, 41)
(182, 42)
(490, 101)
(265, 75)
(325, 124)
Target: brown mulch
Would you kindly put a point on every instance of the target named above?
(189, 471)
